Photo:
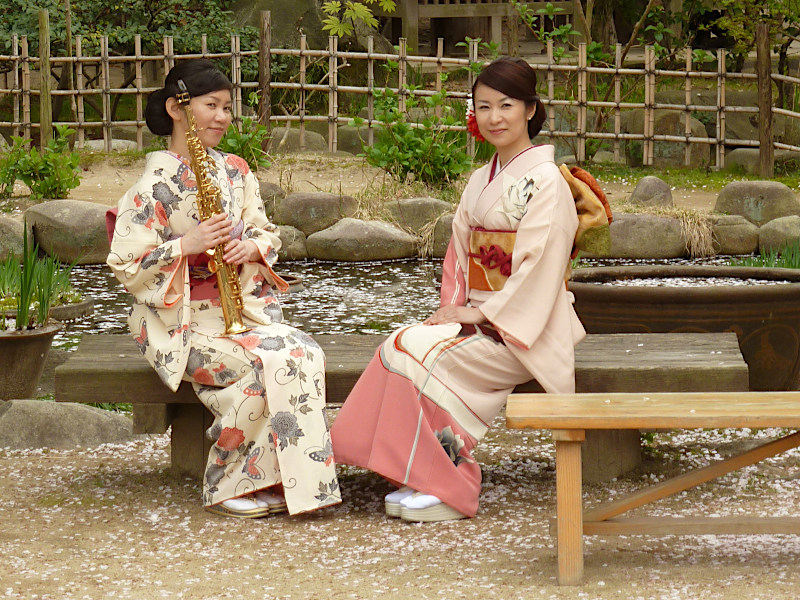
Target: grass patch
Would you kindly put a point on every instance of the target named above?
(785, 257)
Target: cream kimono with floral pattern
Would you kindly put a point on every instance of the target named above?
(265, 387)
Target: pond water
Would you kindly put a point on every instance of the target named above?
(374, 298)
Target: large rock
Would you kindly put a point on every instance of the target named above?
(779, 232)
(72, 230)
(287, 139)
(646, 236)
(355, 240)
(128, 132)
(314, 211)
(11, 232)
(606, 157)
(271, 194)
(442, 232)
(737, 125)
(757, 201)
(652, 191)
(117, 145)
(667, 122)
(293, 243)
(416, 213)
(61, 426)
(733, 234)
(748, 160)
(350, 138)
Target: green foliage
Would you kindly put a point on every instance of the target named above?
(341, 18)
(430, 153)
(247, 143)
(537, 22)
(34, 286)
(49, 173)
(787, 257)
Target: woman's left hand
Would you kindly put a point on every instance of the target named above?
(238, 252)
(452, 313)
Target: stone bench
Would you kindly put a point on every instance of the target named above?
(571, 416)
(110, 369)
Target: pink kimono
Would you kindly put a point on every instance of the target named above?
(430, 392)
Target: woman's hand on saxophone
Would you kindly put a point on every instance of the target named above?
(238, 252)
(208, 234)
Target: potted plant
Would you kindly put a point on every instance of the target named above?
(26, 337)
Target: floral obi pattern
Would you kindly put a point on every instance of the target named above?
(490, 255)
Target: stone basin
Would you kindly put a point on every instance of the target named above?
(765, 317)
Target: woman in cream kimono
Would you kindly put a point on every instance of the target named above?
(430, 392)
(266, 386)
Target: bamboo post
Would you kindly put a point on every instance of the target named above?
(617, 100)
(137, 45)
(721, 108)
(582, 93)
(473, 58)
(402, 66)
(302, 111)
(169, 59)
(766, 149)
(45, 97)
(265, 70)
(204, 45)
(236, 80)
(17, 89)
(688, 115)
(439, 54)
(69, 66)
(106, 76)
(370, 90)
(26, 89)
(79, 85)
(333, 96)
(551, 91)
(649, 113)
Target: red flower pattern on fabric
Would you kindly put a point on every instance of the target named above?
(297, 353)
(248, 341)
(230, 438)
(161, 214)
(237, 162)
(202, 376)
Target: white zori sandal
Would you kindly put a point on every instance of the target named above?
(425, 508)
(393, 500)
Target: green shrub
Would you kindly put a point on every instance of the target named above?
(49, 173)
(247, 143)
(787, 257)
(428, 151)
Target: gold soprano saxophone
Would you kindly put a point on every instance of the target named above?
(209, 203)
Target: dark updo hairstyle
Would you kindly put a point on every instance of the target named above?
(515, 78)
(201, 77)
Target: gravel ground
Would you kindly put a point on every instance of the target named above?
(112, 522)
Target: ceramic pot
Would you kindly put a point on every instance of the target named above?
(22, 358)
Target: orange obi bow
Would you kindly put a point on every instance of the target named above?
(490, 254)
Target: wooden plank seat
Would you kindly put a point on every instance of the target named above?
(569, 416)
(109, 369)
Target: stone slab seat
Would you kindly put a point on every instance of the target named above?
(109, 368)
(569, 416)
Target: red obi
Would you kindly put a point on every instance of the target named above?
(202, 282)
(490, 254)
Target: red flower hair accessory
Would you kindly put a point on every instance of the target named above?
(472, 122)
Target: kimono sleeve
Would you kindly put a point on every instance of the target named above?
(523, 308)
(143, 256)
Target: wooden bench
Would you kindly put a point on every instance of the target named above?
(569, 416)
(110, 369)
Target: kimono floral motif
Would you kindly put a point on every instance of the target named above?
(284, 425)
(515, 201)
(452, 444)
(164, 196)
(230, 438)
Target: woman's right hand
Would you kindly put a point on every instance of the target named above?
(208, 234)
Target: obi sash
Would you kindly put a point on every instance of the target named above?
(489, 258)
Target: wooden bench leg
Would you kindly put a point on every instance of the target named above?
(189, 444)
(569, 505)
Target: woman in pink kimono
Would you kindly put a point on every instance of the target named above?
(431, 391)
(266, 386)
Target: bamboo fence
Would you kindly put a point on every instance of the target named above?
(93, 76)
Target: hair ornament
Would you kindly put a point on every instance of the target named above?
(472, 122)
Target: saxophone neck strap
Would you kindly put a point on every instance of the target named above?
(183, 96)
